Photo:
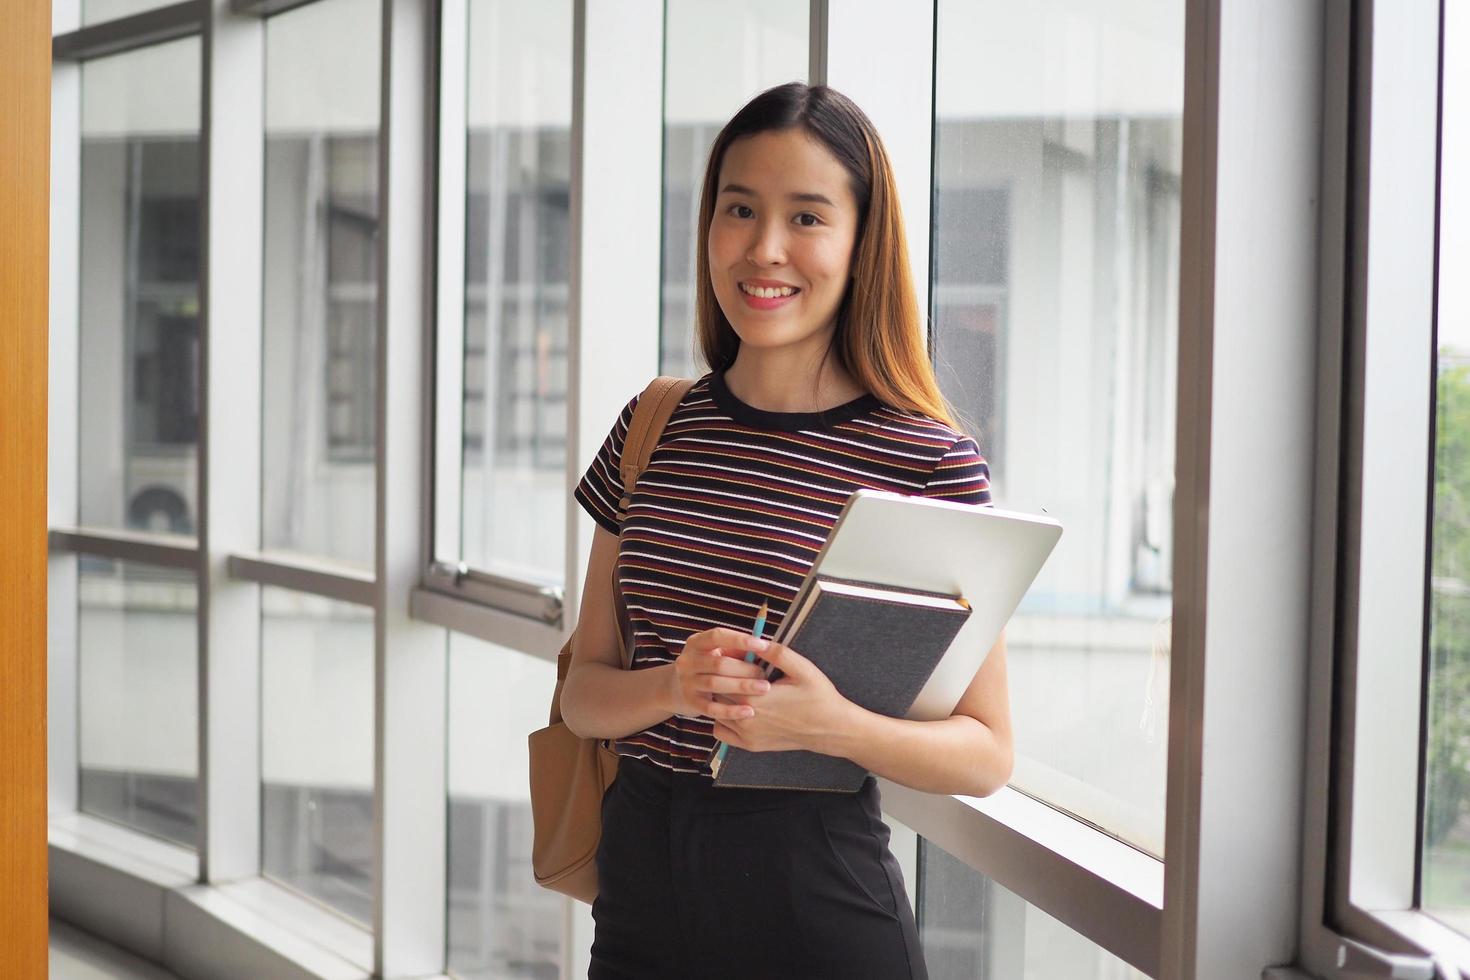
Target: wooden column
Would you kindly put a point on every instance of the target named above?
(25, 108)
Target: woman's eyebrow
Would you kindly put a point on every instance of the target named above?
(807, 197)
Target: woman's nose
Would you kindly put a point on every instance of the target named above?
(769, 246)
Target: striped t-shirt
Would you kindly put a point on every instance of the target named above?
(733, 509)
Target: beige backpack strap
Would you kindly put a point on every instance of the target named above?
(650, 415)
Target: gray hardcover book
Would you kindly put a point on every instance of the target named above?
(878, 646)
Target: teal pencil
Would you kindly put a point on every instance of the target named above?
(760, 627)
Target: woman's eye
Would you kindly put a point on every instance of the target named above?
(801, 219)
(741, 210)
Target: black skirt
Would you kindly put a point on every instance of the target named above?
(699, 881)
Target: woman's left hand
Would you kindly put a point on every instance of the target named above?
(802, 710)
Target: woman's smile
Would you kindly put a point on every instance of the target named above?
(767, 294)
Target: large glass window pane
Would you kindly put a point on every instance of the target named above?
(1446, 857)
(139, 289)
(501, 924)
(717, 57)
(137, 639)
(973, 929)
(316, 664)
(319, 374)
(517, 255)
(1056, 247)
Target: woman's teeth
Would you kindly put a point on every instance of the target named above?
(768, 292)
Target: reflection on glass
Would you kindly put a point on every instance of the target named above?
(973, 929)
(1056, 245)
(136, 643)
(316, 666)
(717, 57)
(319, 376)
(517, 254)
(501, 923)
(1445, 881)
(139, 289)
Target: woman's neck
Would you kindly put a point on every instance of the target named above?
(772, 382)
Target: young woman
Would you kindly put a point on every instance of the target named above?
(820, 384)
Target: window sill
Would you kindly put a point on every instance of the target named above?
(143, 894)
(1408, 934)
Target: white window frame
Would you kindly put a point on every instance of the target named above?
(1363, 826)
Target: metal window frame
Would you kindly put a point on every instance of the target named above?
(410, 656)
(1359, 912)
(452, 589)
(266, 8)
(1387, 398)
(139, 30)
(444, 576)
(63, 403)
(230, 301)
(444, 394)
(302, 574)
(519, 597)
(1248, 307)
(149, 549)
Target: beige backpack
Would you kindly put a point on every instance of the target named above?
(569, 775)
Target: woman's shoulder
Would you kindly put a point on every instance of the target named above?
(958, 471)
(920, 425)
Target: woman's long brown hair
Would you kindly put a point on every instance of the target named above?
(880, 339)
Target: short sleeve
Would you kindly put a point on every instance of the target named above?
(601, 486)
(961, 475)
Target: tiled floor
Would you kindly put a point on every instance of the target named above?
(77, 955)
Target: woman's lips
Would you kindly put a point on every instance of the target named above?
(766, 302)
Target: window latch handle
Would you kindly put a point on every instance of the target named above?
(1357, 959)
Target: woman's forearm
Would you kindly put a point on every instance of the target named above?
(603, 701)
(956, 756)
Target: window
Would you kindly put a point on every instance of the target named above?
(1055, 294)
(501, 923)
(504, 512)
(1397, 832)
(716, 58)
(319, 368)
(139, 299)
(1055, 253)
(317, 748)
(504, 243)
(136, 640)
(973, 929)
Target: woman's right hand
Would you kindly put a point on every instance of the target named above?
(711, 677)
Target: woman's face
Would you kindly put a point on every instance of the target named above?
(781, 240)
